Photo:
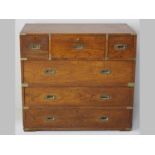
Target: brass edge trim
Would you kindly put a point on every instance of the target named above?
(106, 50)
(36, 129)
(133, 34)
(24, 84)
(131, 84)
(23, 59)
(25, 108)
(50, 57)
(129, 108)
(27, 129)
(22, 34)
(128, 129)
(49, 47)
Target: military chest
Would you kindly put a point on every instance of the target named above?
(77, 76)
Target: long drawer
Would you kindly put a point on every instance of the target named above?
(77, 119)
(78, 96)
(78, 73)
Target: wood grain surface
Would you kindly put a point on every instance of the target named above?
(78, 46)
(78, 119)
(128, 53)
(78, 73)
(78, 96)
(26, 43)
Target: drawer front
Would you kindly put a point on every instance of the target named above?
(76, 118)
(121, 47)
(35, 46)
(76, 46)
(78, 96)
(78, 73)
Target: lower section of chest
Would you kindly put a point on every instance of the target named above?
(77, 95)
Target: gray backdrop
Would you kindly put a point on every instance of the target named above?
(147, 76)
(7, 81)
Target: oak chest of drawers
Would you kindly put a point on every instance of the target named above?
(77, 76)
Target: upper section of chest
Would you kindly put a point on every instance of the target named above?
(78, 41)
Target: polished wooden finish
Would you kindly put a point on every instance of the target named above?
(27, 43)
(78, 96)
(77, 76)
(128, 53)
(76, 73)
(79, 46)
(77, 119)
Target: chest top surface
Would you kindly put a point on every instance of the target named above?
(77, 28)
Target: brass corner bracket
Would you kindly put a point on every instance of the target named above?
(24, 84)
(23, 59)
(129, 108)
(50, 57)
(133, 33)
(22, 34)
(128, 129)
(130, 84)
(25, 108)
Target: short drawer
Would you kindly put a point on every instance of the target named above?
(34, 46)
(121, 47)
(78, 73)
(77, 119)
(78, 96)
(77, 46)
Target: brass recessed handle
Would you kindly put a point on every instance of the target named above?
(50, 71)
(34, 46)
(78, 46)
(50, 97)
(105, 97)
(49, 118)
(104, 118)
(120, 47)
(105, 71)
